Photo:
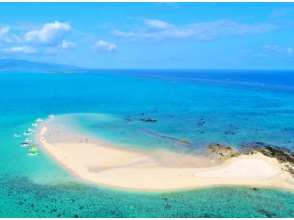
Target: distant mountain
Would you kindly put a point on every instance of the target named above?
(13, 65)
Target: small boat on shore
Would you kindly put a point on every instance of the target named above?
(39, 120)
(35, 125)
(24, 144)
(51, 116)
(17, 135)
(26, 133)
(28, 140)
(32, 153)
(31, 130)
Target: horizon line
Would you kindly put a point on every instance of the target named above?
(175, 69)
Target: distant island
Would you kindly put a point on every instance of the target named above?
(15, 65)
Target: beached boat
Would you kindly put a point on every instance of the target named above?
(32, 153)
(26, 133)
(35, 125)
(24, 144)
(31, 130)
(28, 140)
(17, 135)
(39, 120)
(51, 116)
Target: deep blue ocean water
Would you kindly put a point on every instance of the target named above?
(236, 107)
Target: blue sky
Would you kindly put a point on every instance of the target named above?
(150, 35)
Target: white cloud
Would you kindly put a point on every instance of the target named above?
(282, 12)
(103, 46)
(4, 34)
(49, 39)
(51, 34)
(156, 24)
(4, 30)
(6, 37)
(279, 49)
(67, 45)
(123, 34)
(21, 49)
(156, 29)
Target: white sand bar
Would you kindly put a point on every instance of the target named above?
(114, 166)
(247, 168)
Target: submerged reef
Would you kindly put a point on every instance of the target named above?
(182, 141)
(148, 120)
(283, 155)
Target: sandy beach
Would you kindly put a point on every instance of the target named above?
(113, 166)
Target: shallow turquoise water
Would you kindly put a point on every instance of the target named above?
(236, 109)
(20, 197)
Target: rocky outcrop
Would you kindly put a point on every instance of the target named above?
(282, 154)
(223, 152)
(148, 120)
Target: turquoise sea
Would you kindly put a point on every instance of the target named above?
(203, 107)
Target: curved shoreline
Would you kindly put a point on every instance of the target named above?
(114, 167)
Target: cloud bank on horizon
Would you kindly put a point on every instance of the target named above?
(149, 35)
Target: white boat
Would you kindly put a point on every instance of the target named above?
(39, 120)
(32, 153)
(31, 130)
(51, 116)
(35, 125)
(16, 135)
(24, 144)
(26, 133)
(28, 140)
